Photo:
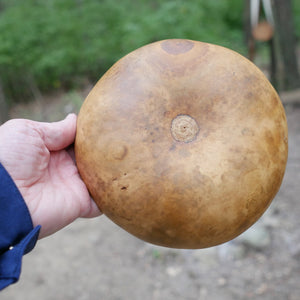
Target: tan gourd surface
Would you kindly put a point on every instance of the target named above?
(182, 143)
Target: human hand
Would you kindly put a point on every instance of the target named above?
(36, 157)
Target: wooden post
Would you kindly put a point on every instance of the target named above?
(285, 36)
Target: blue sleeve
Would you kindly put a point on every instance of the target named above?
(17, 235)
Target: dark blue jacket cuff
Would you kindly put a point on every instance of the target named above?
(11, 260)
(17, 235)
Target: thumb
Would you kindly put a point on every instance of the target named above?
(58, 135)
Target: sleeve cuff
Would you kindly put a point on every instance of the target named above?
(11, 260)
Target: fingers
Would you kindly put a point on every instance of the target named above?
(58, 135)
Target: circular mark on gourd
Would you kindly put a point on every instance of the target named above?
(184, 128)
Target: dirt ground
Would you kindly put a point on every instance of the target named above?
(95, 259)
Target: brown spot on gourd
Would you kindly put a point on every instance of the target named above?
(176, 47)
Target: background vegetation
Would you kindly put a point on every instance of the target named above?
(50, 44)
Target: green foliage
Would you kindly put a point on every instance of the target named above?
(296, 15)
(54, 43)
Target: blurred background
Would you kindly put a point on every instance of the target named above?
(52, 53)
(66, 45)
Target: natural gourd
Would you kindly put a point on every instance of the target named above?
(182, 143)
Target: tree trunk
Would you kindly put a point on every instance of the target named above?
(3, 107)
(248, 30)
(3, 103)
(284, 33)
